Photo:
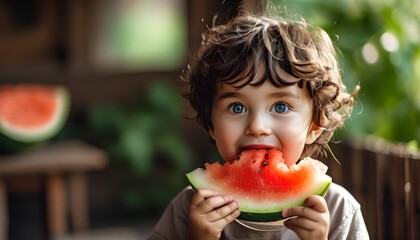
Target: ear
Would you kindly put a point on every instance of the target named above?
(211, 132)
(313, 133)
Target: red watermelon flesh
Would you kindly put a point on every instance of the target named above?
(262, 184)
(25, 98)
(32, 112)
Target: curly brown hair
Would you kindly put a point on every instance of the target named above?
(232, 52)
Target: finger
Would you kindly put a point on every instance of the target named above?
(304, 212)
(302, 233)
(227, 219)
(307, 229)
(232, 216)
(223, 211)
(297, 223)
(214, 202)
(217, 226)
(317, 203)
(313, 205)
(201, 194)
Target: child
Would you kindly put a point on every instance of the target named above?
(258, 82)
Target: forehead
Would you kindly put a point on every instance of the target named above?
(257, 74)
(264, 92)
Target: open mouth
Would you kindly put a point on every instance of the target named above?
(253, 147)
(256, 147)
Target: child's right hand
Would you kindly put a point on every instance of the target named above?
(311, 221)
(209, 213)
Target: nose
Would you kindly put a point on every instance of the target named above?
(258, 125)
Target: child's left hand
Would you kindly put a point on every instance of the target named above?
(311, 221)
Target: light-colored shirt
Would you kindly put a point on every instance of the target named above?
(346, 220)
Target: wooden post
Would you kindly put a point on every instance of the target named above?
(78, 202)
(4, 215)
(413, 189)
(57, 207)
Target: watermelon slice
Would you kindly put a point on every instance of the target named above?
(262, 184)
(32, 112)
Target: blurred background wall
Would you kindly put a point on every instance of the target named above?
(121, 61)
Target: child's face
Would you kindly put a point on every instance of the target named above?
(262, 117)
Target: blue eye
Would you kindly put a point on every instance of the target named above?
(280, 108)
(237, 108)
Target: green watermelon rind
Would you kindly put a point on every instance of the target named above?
(271, 215)
(25, 136)
(264, 213)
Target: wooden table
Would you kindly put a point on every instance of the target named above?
(57, 162)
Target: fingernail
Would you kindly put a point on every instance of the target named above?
(228, 198)
(284, 213)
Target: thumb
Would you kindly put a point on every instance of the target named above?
(317, 203)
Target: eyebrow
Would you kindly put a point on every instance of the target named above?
(228, 95)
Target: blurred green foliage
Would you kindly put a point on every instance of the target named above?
(144, 135)
(138, 131)
(143, 43)
(378, 42)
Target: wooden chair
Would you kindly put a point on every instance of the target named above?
(57, 163)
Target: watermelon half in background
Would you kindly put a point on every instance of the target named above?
(31, 113)
(262, 184)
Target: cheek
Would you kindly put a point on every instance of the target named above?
(292, 142)
(292, 154)
(226, 137)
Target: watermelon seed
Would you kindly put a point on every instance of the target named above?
(260, 170)
(264, 163)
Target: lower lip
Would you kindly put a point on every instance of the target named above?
(257, 147)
